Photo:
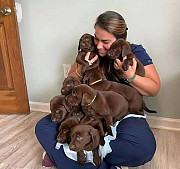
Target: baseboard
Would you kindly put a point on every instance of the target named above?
(164, 123)
(154, 122)
(39, 106)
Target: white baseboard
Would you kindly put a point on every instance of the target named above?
(154, 122)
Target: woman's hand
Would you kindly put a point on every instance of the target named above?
(131, 70)
(148, 85)
(92, 60)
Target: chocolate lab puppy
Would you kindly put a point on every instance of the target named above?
(97, 81)
(64, 128)
(68, 85)
(85, 137)
(58, 110)
(86, 44)
(119, 49)
(107, 105)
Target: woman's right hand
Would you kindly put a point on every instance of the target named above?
(131, 69)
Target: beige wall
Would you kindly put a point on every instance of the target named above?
(50, 30)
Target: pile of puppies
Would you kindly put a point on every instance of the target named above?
(86, 109)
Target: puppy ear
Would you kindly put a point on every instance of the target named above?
(85, 79)
(76, 82)
(94, 135)
(86, 99)
(79, 45)
(126, 50)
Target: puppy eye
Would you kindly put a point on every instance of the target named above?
(74, 93)
(65, 131)
(57, 110)
(87, 39)
(68, 85)
(79, 137)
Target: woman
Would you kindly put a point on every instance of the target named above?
(135, 144)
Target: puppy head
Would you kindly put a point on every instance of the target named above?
(83, 137)
(75, 99)
(120, 48)
(68, 85)
(87, 95)
(92, 75)
(58, 111)
(86, 43)
(63, 135)
(72, 101)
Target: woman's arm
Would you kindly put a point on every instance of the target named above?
(148, 85)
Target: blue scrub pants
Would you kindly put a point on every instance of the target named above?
(134, 146)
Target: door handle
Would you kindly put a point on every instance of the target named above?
(6, 11)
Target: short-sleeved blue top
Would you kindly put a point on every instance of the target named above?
(141, 54)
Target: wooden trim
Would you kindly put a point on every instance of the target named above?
(154, 122)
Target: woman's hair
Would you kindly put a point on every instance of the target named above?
(113, 23)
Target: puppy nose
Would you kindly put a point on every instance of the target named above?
(54, 120)
(72, 147)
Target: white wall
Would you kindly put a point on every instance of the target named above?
(50, 31)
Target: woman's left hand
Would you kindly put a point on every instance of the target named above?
(92, 60)
(131, 70)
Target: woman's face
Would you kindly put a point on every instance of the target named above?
(103, 40)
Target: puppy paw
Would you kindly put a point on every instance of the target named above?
(97, 161)
(102, 142)
(126, 64)
(81, 158)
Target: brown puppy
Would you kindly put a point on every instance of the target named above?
(68, 85)
(86, 44)
(98, 105)
(85, 137)
(97, 81)
(58, 110)
(121, 48)
(64, 128)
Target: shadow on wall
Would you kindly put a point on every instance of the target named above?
(167, 102)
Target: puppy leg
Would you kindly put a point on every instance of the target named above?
(109, 122)
(99, 126)
(87, 120)
(96, 158)
(81, 158)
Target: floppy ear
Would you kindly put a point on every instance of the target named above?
(86, 99)
(94, 135)
(76, 82)
(79, 46)
(126, 50)
(86, 79)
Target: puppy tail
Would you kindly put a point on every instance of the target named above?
(146, 109)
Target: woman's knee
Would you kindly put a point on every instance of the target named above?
(135, 143)
(45, 130)
(41, 124)
(129, 153)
